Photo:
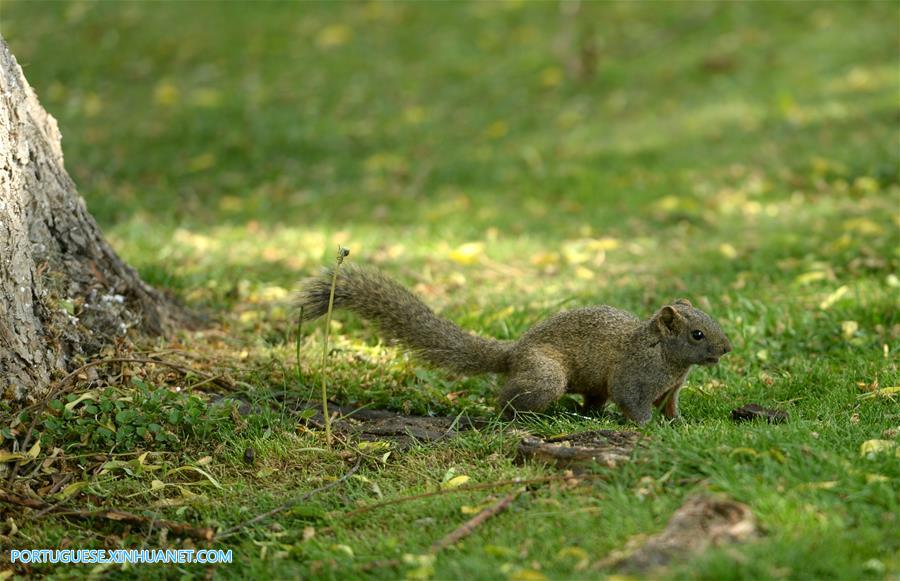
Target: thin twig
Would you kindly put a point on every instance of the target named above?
(290, 504)
(208, 380)
(201, 533)
(180, 529)
(297, 341)
(60, 483)
(48, 509)
(342, 252)
(21, 500)
(457, 534)
(470, 525)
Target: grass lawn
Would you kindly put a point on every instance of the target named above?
(506, 160)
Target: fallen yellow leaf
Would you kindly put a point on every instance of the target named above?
(499, 551)
(414, 115)
(72, 489)
(728, 251)
(748, 451)
(86, 395)
(882, 392)
(826, 485)
(574, 552)
(456, 481)
(202, 162)
(423, 566)
(334, 35)
(863, 226)
(205, 97)
(527, 575)
(165, 93)
(545, 259)
(834, 297)
(849, 329)
(373, 446)
(497, 129)
(203, 473)
(468, 253)
(866, 185)
(605, 243)
(584, 273)
(344, 549)
(10, 456)
(551, 76)
(871, 448)
(810, 277)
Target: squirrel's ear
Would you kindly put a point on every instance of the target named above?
(684, 302)
(668, 320)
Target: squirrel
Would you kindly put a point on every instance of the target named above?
(600, 352)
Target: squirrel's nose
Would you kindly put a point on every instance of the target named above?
(726, 348)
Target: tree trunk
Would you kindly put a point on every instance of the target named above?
(64, 292)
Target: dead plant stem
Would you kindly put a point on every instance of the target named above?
(342, 253)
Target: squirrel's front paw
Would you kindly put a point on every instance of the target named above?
(675, 421)
(638, 414)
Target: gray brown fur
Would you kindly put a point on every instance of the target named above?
(600, 352)
(402, 316)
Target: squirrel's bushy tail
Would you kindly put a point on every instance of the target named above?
(401, 315)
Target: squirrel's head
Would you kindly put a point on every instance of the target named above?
(689, 335)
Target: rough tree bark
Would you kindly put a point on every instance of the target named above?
(64, 292)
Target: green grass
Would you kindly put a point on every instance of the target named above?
(742, 155)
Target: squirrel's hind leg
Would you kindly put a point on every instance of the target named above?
(536, 380)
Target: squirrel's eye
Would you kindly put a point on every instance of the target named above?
(697, 335)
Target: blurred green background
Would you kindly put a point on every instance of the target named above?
(406, 131)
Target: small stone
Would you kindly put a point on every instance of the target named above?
(752, 411)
